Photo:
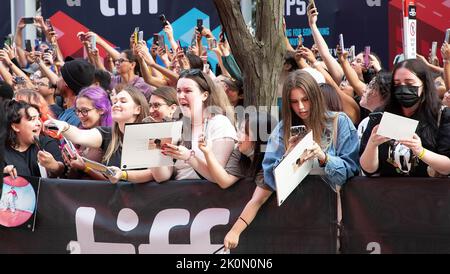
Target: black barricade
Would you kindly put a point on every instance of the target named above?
(396, 215)
(174, 217)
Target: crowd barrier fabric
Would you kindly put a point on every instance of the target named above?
(396, 215)
(182, 217)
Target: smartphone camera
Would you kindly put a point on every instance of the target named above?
(200, 25)
(163, 20)
(28, 20)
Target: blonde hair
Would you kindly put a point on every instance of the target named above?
(117, 136)
(317, 117)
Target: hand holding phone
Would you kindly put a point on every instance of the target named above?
(28, 45)
(200, 25)
(163, 20)
(300, 41)
(28, 20)
(341, 42)
(49, 24)
(135, 35)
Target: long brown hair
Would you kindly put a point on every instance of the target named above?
(317, 117)
(217, 101)
(117, 136)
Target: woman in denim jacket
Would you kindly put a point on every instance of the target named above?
(335, 138)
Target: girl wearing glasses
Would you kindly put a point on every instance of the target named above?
(93, 108)
(129, 106)
(202, 105)
(163, 104)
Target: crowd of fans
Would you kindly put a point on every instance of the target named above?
(90, 101)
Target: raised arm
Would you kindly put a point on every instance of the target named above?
(331, 63)
(85, 137)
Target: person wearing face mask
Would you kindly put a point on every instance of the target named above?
(413, 95)
(245, 161)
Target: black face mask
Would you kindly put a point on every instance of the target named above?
(407, 95)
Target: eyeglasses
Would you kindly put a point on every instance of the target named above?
(121, 60)
(196, 73)
(192, 72)
(42, 84)
(84, 112)
(156, 106)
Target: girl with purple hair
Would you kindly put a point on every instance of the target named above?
(93, 108)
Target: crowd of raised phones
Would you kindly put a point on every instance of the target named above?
(48, 98)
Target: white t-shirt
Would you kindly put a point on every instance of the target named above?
(218, 127)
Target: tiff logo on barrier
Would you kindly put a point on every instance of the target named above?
(108, 11)
(165, 220)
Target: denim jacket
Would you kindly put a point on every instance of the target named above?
(343, 160)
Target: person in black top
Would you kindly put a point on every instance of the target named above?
(25, 150)
(413, 95)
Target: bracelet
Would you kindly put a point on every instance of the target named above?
(66, 128)
(243, 220)
(322, 164)
(87, 169)
(192, 154)
(422, 154)
(124, 176)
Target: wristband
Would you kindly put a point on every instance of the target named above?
(422, 154)
(124, 176)
(242, 219)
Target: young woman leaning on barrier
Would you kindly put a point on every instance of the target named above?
(413, 95)
(202, 105)
(303, 104)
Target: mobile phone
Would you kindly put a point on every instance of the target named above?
(156, 39)
(141, 36)
(28, 45)
(222, 35)
(163, 19)
(161, 42)
(374, 119)
(447, 36)
(48, 22)
(366, 56)
(98, 167)
(300, 41)
(212, 43)
(36, 142)
(19, 80)
(93, 42)
(8, 40)
(200, 25)
(28, 20)
(136, 31)
(179, 44)
(351, 53)
(68, 152)
(341, 41)
(298, 130)
(433, 49)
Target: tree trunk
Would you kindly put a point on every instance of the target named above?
(261, 57)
